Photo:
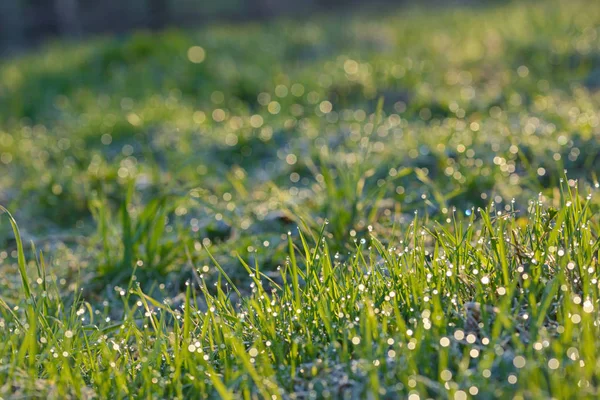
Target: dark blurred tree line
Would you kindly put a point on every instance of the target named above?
(24, 22)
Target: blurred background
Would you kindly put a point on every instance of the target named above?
(24, 23)
(240, 119)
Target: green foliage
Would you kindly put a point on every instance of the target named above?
(488, 306)
(311, 209)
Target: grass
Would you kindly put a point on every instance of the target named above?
(398, 205)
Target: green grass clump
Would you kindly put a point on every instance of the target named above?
(489, 306)
(369, 207)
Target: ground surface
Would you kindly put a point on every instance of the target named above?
(375, 206)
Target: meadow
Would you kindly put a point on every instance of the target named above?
(394, 203)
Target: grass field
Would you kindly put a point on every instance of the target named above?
(394, 204)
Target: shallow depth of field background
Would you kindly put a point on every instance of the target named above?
(163, 143)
